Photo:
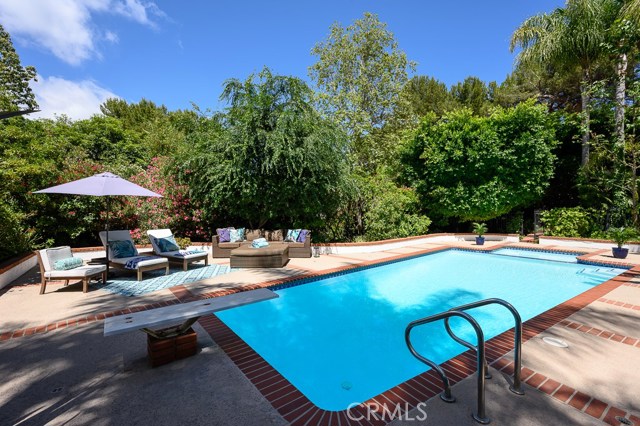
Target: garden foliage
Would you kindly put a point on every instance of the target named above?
(477, 168)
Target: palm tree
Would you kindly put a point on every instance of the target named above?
(569, 36)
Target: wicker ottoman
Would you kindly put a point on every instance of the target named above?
(276, 255)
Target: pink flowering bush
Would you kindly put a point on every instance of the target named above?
(174, 210)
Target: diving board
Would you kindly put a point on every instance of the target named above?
(150, 321)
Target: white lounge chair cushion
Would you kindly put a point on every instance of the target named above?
(79, 272)
(51, 255)
(176, 255)
(155, 261)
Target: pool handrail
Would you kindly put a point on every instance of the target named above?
(480, 416)
(516, 387)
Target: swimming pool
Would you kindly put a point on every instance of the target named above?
(340, 340)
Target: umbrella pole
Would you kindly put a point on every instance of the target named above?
(106, 228)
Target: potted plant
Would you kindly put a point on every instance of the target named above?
(620, 236)
(480, 229)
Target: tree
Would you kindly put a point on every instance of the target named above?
(271, 158)
(360, 72)
(478, 168)
(15, 92)
(472, 93)
(570, 36)
(426, 94)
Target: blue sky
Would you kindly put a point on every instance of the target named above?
(178, 52)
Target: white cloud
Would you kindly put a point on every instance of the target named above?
(66, 27)
(138, 11)
(111, 37)
(75, 99)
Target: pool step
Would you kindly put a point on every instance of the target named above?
(598, 272)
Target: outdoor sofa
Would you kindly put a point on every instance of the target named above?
(295, 249)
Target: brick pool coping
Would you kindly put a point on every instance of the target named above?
(299, 410)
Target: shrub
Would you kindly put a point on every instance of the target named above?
(571, 221)
(174, 210)
(14, 239)
(392, 213)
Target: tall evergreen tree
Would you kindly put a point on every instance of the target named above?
(15, 93)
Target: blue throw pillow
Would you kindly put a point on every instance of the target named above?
(292, 235)
(223, 235)
(66, 264)
(167, 244)
(302, 237)
(120, 249)
(236, 235)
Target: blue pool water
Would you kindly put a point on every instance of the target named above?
(340, 340)
(534, 254)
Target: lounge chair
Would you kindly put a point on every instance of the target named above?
(139, 262)
(47, 259)
(156, 236)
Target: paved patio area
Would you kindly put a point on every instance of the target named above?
(58, 368)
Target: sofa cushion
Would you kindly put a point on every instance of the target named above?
(292, 235)
(229, 245)
(252, 234)
(223, 235)
(302, 237)
(236, 235)
(276, 235)
(57, 253)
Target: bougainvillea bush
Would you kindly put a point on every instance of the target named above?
(174, 210)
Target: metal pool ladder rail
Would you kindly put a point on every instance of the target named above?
(482, 372)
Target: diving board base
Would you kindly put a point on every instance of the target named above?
(162, 351)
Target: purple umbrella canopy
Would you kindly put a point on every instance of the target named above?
(101, 185)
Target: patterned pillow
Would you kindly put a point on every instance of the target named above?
(68, 263)
(120, 249)
(167, 244)
(223, 235)
(236, 235)
(302, 237)
(292, 235)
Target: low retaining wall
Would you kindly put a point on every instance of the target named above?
(374, 246)
(634, 247)
(16, 269)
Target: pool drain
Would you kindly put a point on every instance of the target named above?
(346, 385)
(558, 343)
(624, 420)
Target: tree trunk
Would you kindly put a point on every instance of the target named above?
(586, 98)
(621, 71)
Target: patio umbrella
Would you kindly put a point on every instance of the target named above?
(101, 185)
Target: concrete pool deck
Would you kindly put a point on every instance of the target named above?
(59, 368)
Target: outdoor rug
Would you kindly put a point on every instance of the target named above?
(128, 285)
